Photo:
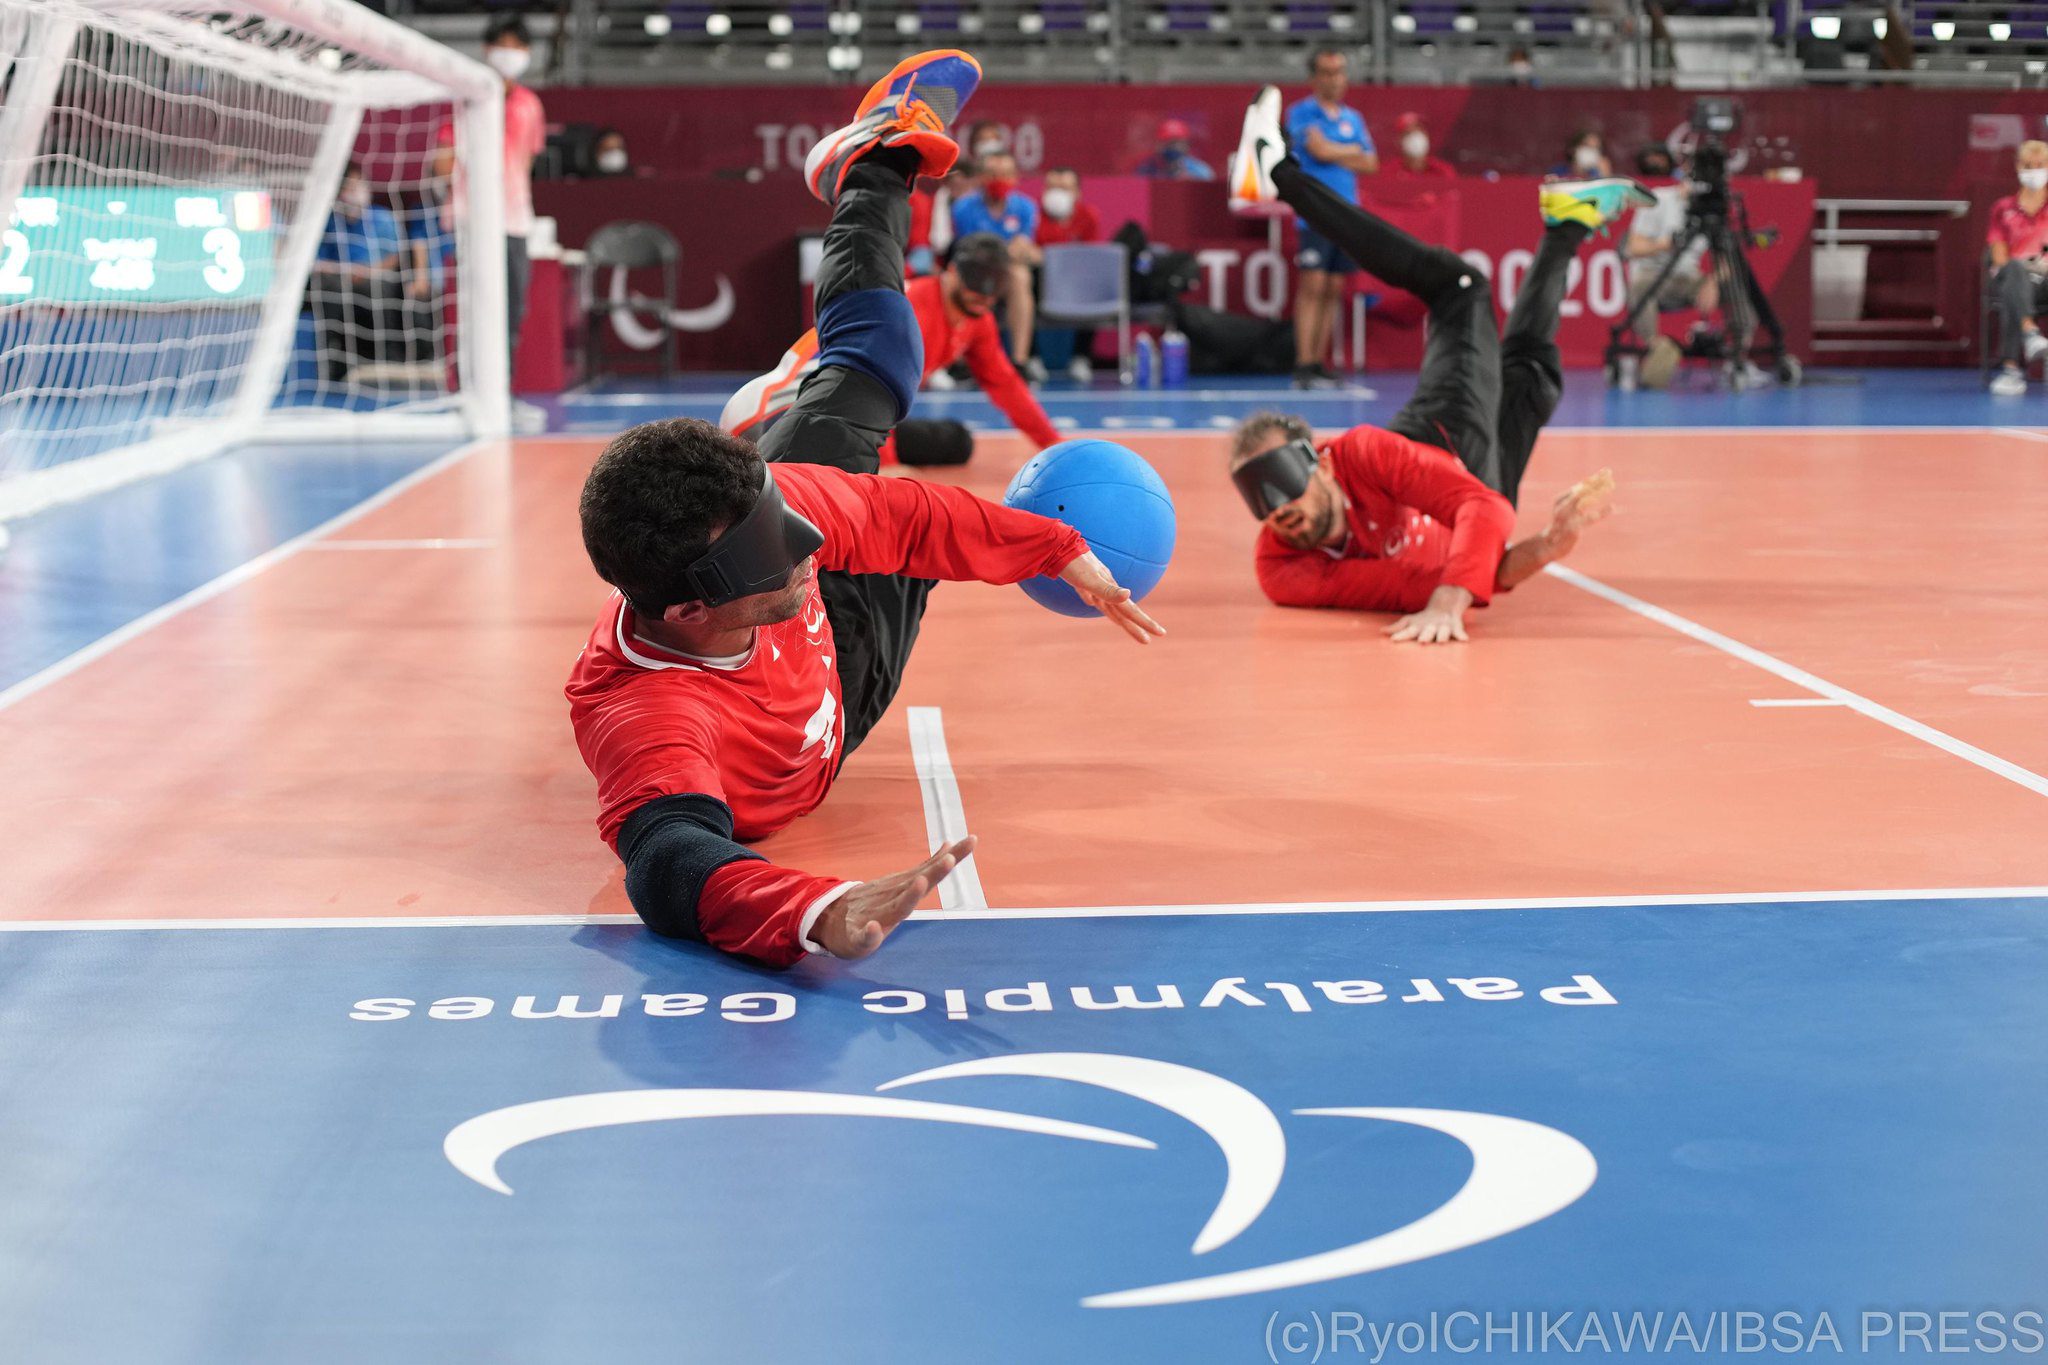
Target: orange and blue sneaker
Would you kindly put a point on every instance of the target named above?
(910, 107)
(945, 80)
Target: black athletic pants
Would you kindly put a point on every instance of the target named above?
(1482, 395)
(870, 361)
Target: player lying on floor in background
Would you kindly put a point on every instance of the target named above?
(1383, 519)
(769, 597)
(955, 315)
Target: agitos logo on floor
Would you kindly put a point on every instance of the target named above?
(1521, 1171)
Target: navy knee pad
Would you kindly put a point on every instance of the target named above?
(875, 332)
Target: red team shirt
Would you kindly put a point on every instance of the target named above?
(2025, 234)
(764, 732)
(1417, 518)
(1079, 226)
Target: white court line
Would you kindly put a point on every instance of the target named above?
(945, 818)
(402, 545)
(2022, 433)
(234, 577)
(1799, 677)
(1795, 701)
(1733, 898)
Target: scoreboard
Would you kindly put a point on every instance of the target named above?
(141, 244)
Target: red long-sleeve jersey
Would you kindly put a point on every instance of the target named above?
(974, 340)
(763, 732)
(1416, 517)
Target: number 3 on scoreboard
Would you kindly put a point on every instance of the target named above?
(14, 260)
(227, 272)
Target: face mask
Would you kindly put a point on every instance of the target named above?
(988, 147)
(509, 62)
(1416, 145)
(2034, 180)
(1587, 158)
(1059, 203)
(998, 190)
(612, 162)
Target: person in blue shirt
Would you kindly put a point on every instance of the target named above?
(998, 207)
(358, 287)
(1331, 143)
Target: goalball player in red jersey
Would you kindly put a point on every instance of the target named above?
(769, 596)
(1414, 517)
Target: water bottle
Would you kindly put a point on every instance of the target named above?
(1173, 359)
(1146, 371)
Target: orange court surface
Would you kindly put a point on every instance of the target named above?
(1792, 662)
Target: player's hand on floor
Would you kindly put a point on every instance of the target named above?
(1441, 620)
(855, 925)
(1091, 578)
(1428, 627)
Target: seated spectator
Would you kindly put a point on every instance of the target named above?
(1068, 219)
(1174, 158)
(1521, 70)
(1000, 209)
(1585, 158)
(358, 284)
(1415, 161)
(2018, 237)
(609, 154)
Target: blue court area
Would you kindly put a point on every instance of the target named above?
(292, 1144)
(82, 571)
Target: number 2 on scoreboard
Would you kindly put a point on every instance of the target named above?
(13, 261)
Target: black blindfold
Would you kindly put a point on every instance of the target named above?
(1270, 481)
(756, 553)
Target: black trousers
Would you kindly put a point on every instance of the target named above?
(841, 417)
(1483, 394)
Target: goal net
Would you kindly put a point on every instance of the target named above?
(219, 223)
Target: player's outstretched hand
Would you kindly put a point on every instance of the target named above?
(855, 925)
(1441, 620)
(1091, 578)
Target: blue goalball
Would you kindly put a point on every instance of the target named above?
(1115, 500)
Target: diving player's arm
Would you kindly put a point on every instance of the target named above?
(990, 365)
(1309, 578)
(926, 530)
(687, 878)
(1434, 483)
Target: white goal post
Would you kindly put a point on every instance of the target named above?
(239, 221)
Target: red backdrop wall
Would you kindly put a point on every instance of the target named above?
(720, 168)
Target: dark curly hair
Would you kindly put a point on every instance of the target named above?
(655, 499)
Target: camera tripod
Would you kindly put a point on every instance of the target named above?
(1745, 308)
